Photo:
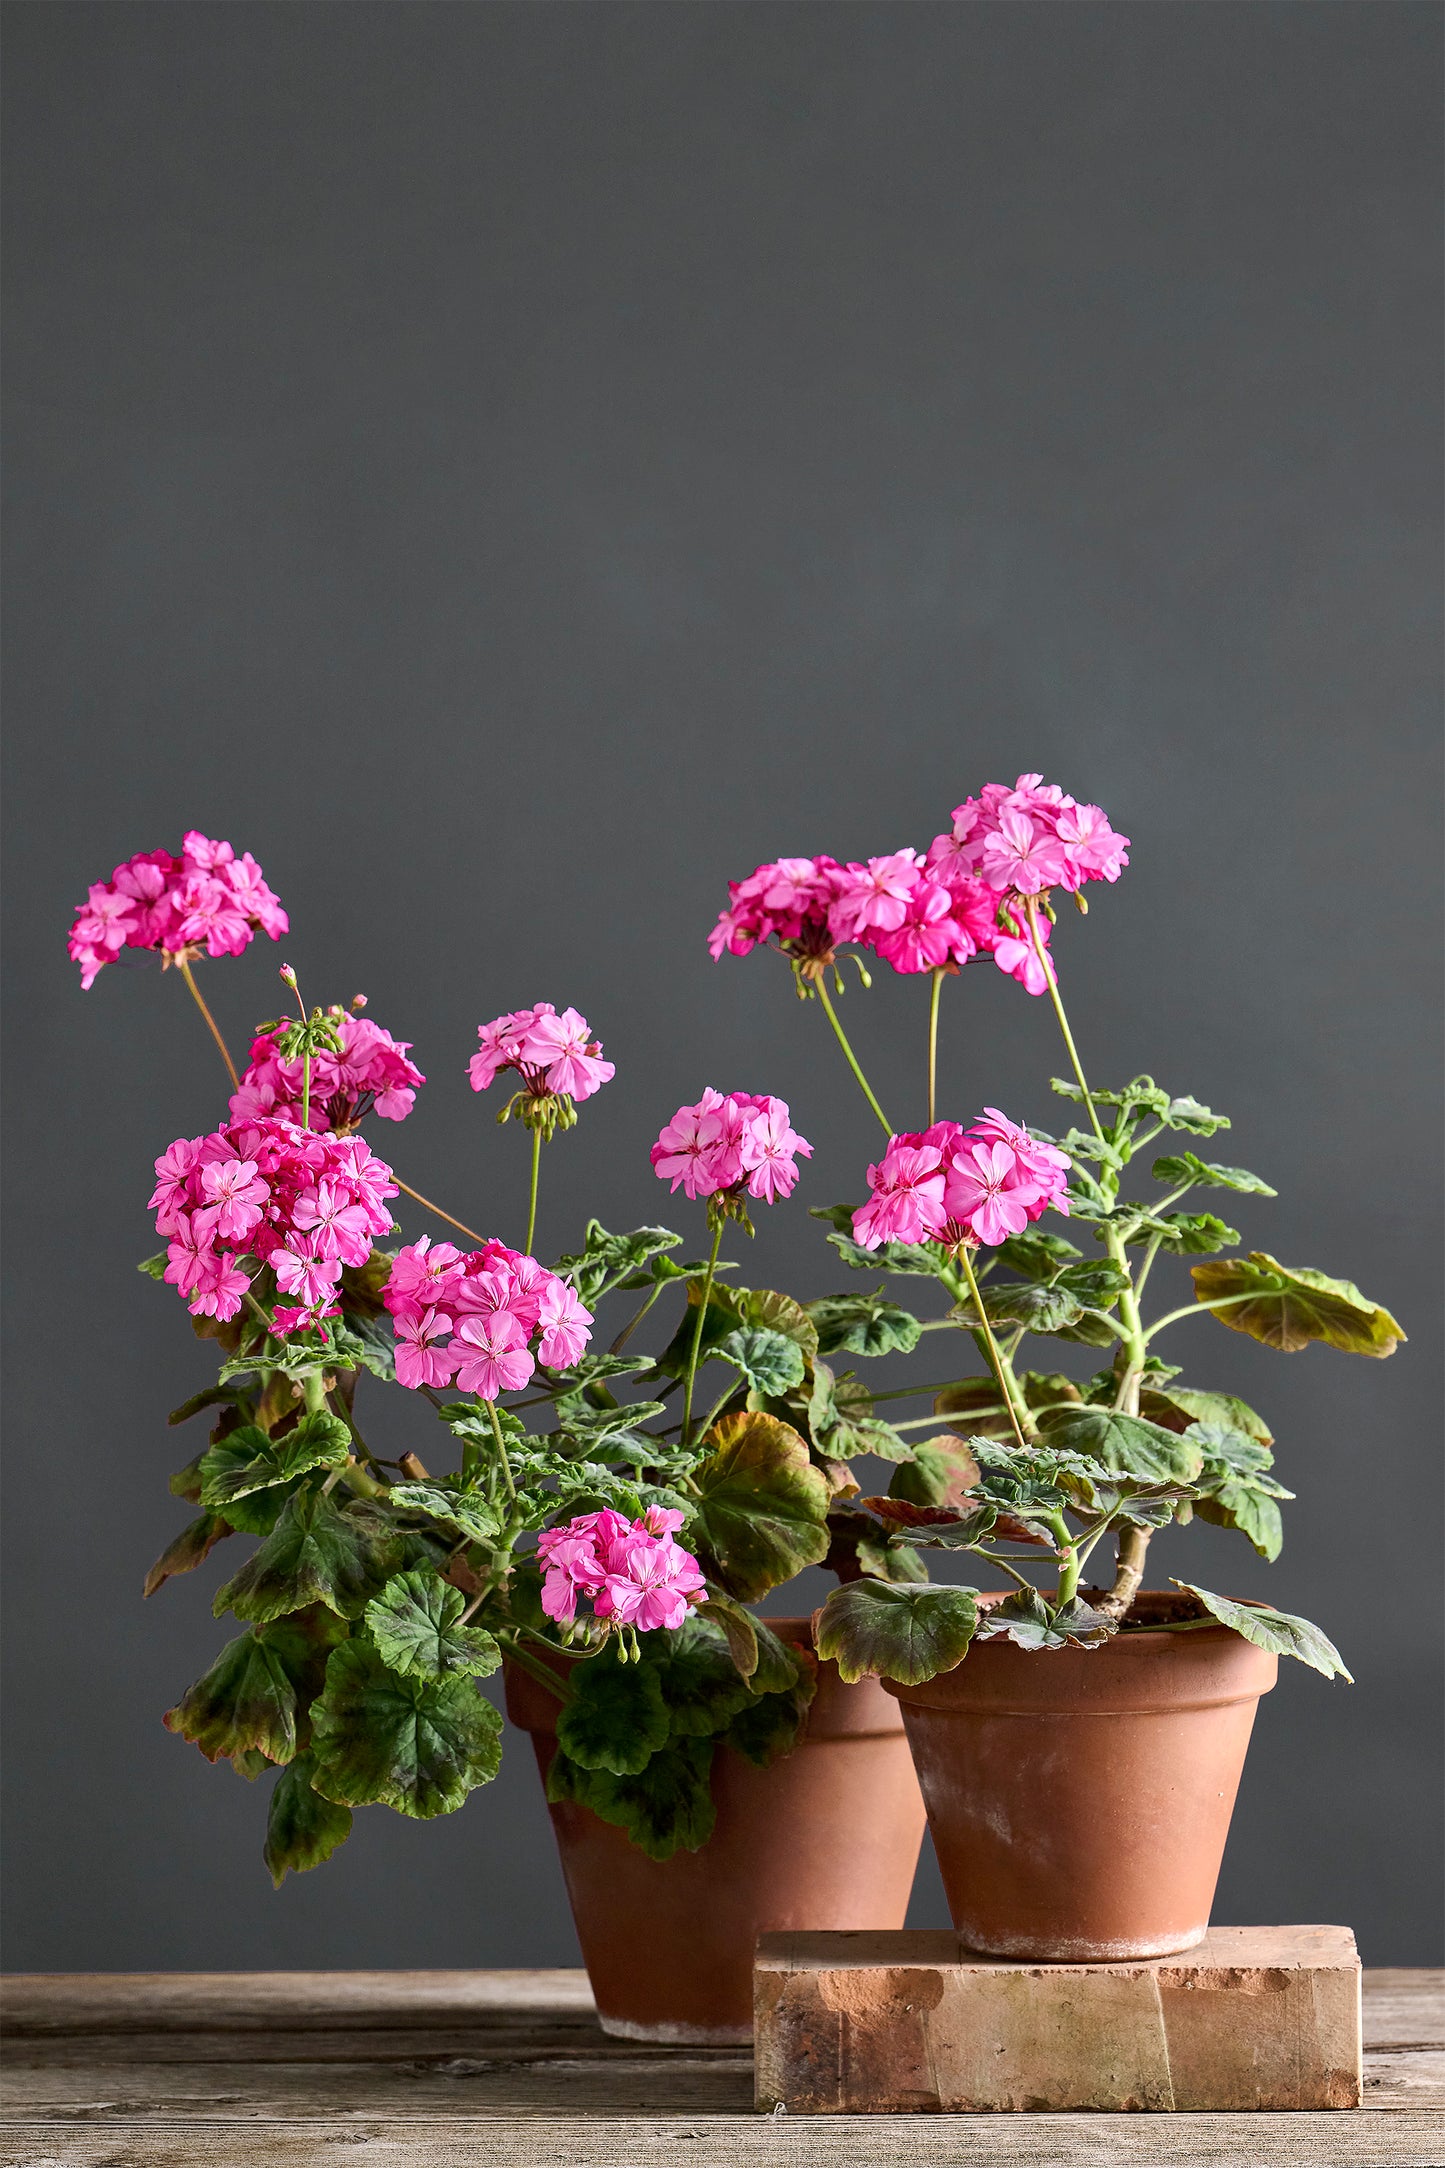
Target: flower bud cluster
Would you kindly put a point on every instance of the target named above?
(367, 1071)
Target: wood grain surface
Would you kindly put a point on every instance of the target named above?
(457, 2069)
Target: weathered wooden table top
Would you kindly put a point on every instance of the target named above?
(437, 2069)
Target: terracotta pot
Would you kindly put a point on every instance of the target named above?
(1080, 1798)
(827, 1837)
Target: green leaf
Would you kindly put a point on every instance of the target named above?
(1094, 1283)
(904, 1633)
(186, 1482)
(1143, 1092)
(1178, 1407)
(863, 1324)
(248, 1701)
(1020, 1302)
(665, 1808)
(367, 1339)
(1254, 1512)
(739, 1629)
(1178, 1167)
(1276, 1631)
(247, 1460)
(777, 1312)
(462, 1508)
(701, 1690)
(155, 1267)
(975, 1401)
(770, 1725)
(1123, 1442)
(941, 1473)
(762, 1506)
(1036, 1254)
(187, 1550)
(414, 1623)
(771, 1363)
(1185, 1234)
(303, 1829)
(1189, 1115)
(615, 1718)
(416, 1744)
(853, 1430)
(314, 1554)
(1288, 1306)
(890, 1561)
(1025, 1618)
(606, 1260)
(214, 1396)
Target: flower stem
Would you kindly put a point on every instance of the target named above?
(851, 1057)
(532, 1200)
(306, 1088)
(491, 1407)
(636, 1319)
(933, 1047)
(1195, 1309)
(196, 995)
(994, 1356)
(1031, 911)
(697, 1336)
(460, 1225)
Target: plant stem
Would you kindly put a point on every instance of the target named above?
(717, 1407)
(196, 995)
(994, 1356)
(542, 1673)
(1129, 1572)
(851, 1057)
(995, 1560)
(306, 1088)
(629, 1329)
(532, 1199)
(1031, 911)
(697, 1335)
(491, 1407)
(1197, 1309)
(460, 1225)
(910, 1392)
(933, 1046)
(314, 1393)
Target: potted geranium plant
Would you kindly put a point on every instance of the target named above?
(1079, 1746)
(705, 1772)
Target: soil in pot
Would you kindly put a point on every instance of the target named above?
(827, 1837)
(1079, 1799)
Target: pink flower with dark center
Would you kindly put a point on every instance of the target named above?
(419, 1271)
(988, 1191)
(564, 1049)
(302, 1272)
(422, 1356)
(1022, 855)
(769, 1150)
(563, 1322)
(927, 935)
(338, 1227)
(492, 1356)
(203, 898)
(684, 1152)
(1092, 851)
(191, 1257)
(871, 898)
(221, 1294)
(906, 1204)
(656, 1588)
(235, 1198)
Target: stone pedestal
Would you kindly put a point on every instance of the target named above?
(908, 2023)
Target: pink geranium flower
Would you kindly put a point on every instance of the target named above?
(555, 1056)
(872, 898)
(235, 1198)
(949, 1184)
(988, 1191)
(492, 1356)
(728, 1141)
(787, 901)
(422, 1355)
(906, 1204)
(563, 1323)
(769, 1151)
(634, 1572)
(202, 899)
(338, 1227)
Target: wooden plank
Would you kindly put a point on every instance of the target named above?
(1404, 2009)
(1402, 2138)
(227, 2001)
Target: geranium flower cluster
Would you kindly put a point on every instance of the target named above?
(728, 1141)
(948, 1184)
(1031, 838)
(789, 901)
(369, 1072)
(472, 1317)
(266, 1192)
(204, 899)
(924, 913)
(553, 1054)
(633, 1572)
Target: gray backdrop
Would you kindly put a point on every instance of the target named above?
(512, 467)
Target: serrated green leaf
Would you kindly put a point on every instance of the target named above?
(762, 1506)
(462, 1507)
(605, 1260)
(864, 1325)
(1036, 1254)
(1179, 1167)
(615, 1718)
(770, 1725)
(1126, 1443)
(1177, 1407)
(1022, 1302)
(248, 1701)
(1184, 1234)
(187, 1550)
(247, 1460)
(666, 1808)
(315, 1554)
(154, 1268)
(1143, 1092)
(419, 1745)
(1254, 1512)
(771, 1363)
(1277, 1631)
(1026, 1619)
(214, 1396)
(415, 1624)
(1287, 1306)
(878, 1628)
(940, 1473)
(364, 1338)
(1197, 1121)
(854, 1429)
(302, 1829)
(701, 1689)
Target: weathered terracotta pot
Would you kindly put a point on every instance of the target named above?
(1079, 1799)
(827, 1837)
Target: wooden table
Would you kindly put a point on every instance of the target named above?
(511, 2070)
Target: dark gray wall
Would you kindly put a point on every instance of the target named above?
(513, 467)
